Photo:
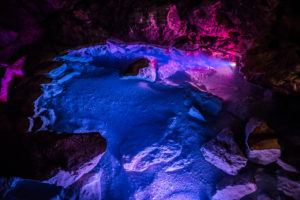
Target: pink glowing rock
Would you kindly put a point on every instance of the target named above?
(152, 30)
(14, 70)
(174, 22)
(149, 73)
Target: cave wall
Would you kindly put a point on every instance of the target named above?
(262, 35)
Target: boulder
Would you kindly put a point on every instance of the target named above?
(261, 142)
(224, 153)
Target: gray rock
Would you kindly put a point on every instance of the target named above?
(261, 142)
(66, 178)
(224, 153)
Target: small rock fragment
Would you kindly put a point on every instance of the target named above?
(195, 113)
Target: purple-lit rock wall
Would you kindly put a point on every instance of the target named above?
(221, 28)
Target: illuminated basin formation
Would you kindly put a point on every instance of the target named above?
(154, 124)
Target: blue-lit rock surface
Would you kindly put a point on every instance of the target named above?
(155, 122)
(153, 141)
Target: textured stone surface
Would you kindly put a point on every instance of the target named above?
(151, 156)
(65, 177)
(215, 27)
(224, 153)
(273, 60)
(236, 187)
(289, 187)
(261, 142)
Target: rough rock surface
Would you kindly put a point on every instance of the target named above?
(67, 177)
(151, 156)
(224, 153)
(216, 27)
(261, 142)
(213, 26)
(273, 60)
(289, 186)
(266, 182)
(236, 187)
